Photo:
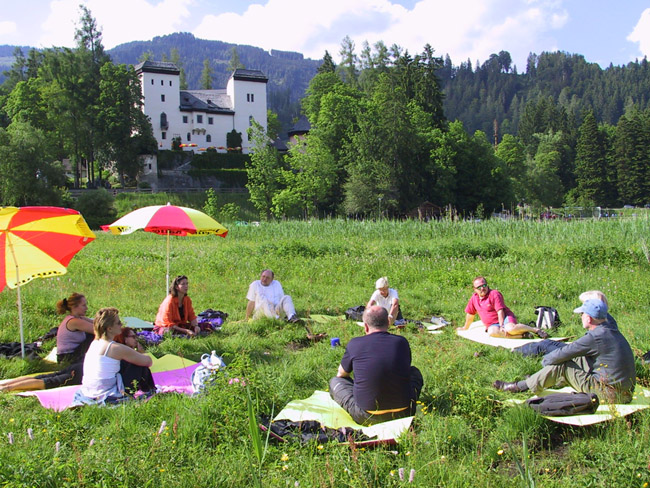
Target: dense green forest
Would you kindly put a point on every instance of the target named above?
(382, 140)
(390, 129)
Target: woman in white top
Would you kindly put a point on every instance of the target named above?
(102, 382)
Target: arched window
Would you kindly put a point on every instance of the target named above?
(163, 121)
(208, 138)
(189, 137)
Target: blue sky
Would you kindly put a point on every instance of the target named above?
(604, 31)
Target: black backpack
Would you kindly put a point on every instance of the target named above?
(355, 313)
(564, 404)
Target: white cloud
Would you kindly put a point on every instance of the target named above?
(641, 33)
(7, 27)
(120, 21)
(465, 29)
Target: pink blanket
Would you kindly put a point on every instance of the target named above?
(176, 380)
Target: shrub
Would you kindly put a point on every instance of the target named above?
(97, 207)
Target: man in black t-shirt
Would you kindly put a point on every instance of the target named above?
(385, 384)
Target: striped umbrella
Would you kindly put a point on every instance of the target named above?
(38, 242)
(168, 220)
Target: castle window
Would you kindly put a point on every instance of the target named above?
(163, 121)
(152, 81)
(210, 120)
(250, 121)
(162, 98)
(199, 119)
(248, 97)
(170, 82)
(185, 119)
(162, 82)
(189, 137)
(252, 97)
(208, 138)
(163, 135)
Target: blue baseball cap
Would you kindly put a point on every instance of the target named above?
(593, 307)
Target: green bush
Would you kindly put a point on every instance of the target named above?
(97, 207)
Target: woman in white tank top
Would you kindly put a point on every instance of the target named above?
(102, 382)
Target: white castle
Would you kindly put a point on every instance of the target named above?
(201, 118)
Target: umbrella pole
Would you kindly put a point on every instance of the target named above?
(20, 304)
(167, 288)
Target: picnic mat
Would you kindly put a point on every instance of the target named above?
(322, 408)
(640, 401)
(136, 323)
(325, 319)
(476, 333)
(170, 374)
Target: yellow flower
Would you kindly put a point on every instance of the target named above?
(392, 472)
(285, 457)
(162, 470)
(11, 420)
(285, 467)
(408, 453)
(500, 452)
(320, 447)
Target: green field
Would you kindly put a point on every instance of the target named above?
(465, 434)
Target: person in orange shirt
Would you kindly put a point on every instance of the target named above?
(175, 314)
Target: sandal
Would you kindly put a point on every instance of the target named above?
(542, 334)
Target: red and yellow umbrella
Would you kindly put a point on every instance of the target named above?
(168, 220)
(38, 242)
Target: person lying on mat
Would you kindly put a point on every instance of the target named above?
(385, 384)
(175, 314)
(498, 319)
(599, 362)
(387, 298)
(75, 332)
(70, 375)
(266, 298)
(102, 382)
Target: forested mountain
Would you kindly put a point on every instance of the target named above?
(288, 72)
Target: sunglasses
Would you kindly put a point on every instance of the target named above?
(484, 285)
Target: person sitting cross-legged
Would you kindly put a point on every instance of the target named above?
(600, 362)
(385, 385)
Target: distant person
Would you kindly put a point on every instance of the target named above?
(385, 385)
(266, 298)
(102, 382)
(387, 298)
(175, 314)
(599, 362)
(498, 319)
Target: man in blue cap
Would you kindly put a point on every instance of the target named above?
(599, 362)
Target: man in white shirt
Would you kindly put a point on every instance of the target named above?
(266, 298)
(387, 298)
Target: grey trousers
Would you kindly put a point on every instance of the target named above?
(341, 391)
(575, 374)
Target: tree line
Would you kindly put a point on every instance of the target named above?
(61, 103)
(381, 141)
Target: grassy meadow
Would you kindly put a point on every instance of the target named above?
(464, 435)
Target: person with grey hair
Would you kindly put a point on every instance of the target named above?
(387, 298)
(385, 384)
(266, 298)
(599, 362)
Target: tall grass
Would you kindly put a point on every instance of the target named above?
(328, 266)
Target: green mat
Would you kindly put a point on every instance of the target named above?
(640, 401)
(322, 408)
(326, 319)
(169, 362)
(136, 323)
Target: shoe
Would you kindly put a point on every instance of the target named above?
(542, 334)
(527, 335)
(293, 319)
(505, 386)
